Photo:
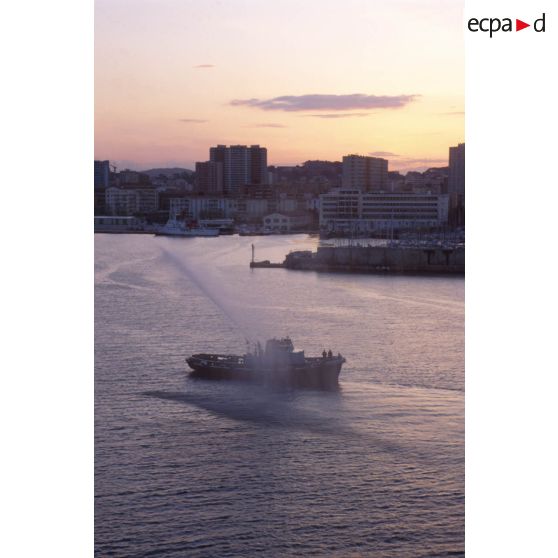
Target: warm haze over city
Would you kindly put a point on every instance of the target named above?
(307, 79)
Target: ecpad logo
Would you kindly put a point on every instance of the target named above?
(494, 24)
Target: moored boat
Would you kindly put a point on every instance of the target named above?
(180, 228)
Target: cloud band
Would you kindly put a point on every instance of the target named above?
(295, 103)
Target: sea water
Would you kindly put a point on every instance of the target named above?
(188, 467)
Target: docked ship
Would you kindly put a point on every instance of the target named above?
(277, 363)
(180, 228)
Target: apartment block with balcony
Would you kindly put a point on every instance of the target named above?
(365, 173)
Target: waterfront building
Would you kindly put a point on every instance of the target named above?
(196, 207)
(251, 209)
(285, 204)
(126, 201)
(286, 222)
(102, 174)
(365, 173)
(243, 210)
(119, 201)
(166, 195)
(178, 207)
(148, 200)
(354, 211)
(120, 223)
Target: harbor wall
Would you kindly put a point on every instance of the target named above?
(380, 259)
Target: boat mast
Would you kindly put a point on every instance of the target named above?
(252, 253)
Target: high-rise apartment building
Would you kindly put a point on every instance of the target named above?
(241, 165)
(456, 179)
(365, 173)
(258, 165)
(102, 174)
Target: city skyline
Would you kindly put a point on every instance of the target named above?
(172, 78)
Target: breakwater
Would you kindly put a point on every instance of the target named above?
(376, 259)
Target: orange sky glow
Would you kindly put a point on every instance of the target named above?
(306, 79)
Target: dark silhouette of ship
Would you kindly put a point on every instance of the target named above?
(278, 363)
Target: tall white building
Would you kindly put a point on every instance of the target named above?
(365, 173)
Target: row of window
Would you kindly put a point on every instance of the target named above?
(379, 216)
(333, 214)
(350, 225)
(381, 204)
(373, 198)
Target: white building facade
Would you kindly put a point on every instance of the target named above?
(121, 201)
(286, 223)
(354, 211)
(198, 207)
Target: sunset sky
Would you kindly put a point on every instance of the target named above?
(308, 79)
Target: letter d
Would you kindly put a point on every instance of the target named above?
(536, 24)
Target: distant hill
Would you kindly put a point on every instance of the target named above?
(167, 172)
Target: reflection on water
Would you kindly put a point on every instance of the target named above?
(190, 467)
(261, 406)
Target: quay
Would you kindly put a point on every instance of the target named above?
(424, 260)
(381, 259)
(263, 263)
(266, 263)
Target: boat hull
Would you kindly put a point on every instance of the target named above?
(189, 233)
(321, 373)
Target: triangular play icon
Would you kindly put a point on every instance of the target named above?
(519, 25)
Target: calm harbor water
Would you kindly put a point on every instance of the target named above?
(188, 467)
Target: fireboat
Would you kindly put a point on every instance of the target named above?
(277, 363)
